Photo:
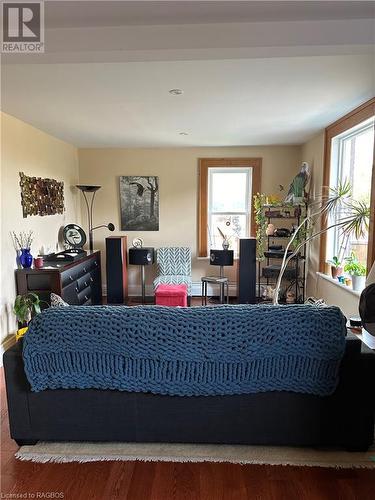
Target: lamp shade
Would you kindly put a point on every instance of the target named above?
(87, 189)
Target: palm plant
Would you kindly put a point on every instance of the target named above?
(352, 217)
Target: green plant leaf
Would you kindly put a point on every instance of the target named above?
(37, 308)
(35, 298)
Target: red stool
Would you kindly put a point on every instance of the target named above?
(171, 295)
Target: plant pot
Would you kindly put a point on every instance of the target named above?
(21, 332)
(336, 272)
(358, 282)
(26, 259)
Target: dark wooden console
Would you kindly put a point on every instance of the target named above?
(78, 282)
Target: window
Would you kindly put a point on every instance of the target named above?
(229, 205)
(226, 189)
(351, 160)
(349, 155)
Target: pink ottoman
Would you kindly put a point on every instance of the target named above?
(171, 295)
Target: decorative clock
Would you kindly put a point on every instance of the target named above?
(74, 236)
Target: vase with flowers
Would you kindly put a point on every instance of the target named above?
(22, 244)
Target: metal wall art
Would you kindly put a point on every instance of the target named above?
(41, 196)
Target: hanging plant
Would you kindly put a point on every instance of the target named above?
(261, 222)
(301, 236)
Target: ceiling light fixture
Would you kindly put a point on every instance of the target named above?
(183, 133)
(176, 91)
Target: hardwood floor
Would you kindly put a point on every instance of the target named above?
(173, 481)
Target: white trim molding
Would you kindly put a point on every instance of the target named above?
(338, 284)
(212, 290)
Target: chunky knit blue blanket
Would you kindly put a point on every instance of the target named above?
(186, 351)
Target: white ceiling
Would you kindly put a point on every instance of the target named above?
(63, 14)
(236, 102)
(108, 66)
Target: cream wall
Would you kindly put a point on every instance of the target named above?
(318, 286)
(25, 148)
(29, 150)
(178, 179)
(313, 153)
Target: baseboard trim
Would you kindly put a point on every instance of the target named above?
(196, 289)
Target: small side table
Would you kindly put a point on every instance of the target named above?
(216, 280)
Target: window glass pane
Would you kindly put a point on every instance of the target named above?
(228, 191)
(362, 151)
(357, 156)
(232, 226)
(351, 161)
(357, 163)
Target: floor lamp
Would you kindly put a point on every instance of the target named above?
(87, 191)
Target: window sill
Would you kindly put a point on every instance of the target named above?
(339, 285)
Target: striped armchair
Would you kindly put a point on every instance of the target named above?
(174, 267)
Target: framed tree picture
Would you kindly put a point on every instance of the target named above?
(139, 203)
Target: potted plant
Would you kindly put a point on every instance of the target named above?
(352, 218)
(336, 267)
(25, 307)
(357, 272)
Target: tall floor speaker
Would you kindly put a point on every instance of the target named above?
(116, 265)
(247, 271)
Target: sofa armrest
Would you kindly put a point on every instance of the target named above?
(352, 345)
(353, 403)
(17, 389)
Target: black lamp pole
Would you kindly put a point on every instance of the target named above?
(89, 205)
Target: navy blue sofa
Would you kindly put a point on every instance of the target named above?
(344, 419)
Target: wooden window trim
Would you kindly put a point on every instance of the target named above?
(204, 165)
(355, 117)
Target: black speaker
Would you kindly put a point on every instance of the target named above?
(221, 257)
(117, 279)
(141, 256)
(247, 271)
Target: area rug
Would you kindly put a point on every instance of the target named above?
(155, 452)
